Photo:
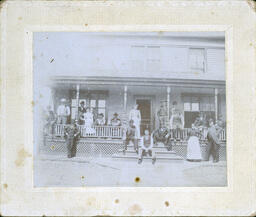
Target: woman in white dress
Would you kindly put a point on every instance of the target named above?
(193, 148)
(87, 117)
(136, 117)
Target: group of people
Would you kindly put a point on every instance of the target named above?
(86, 117)
(144, 144)
(167, 136)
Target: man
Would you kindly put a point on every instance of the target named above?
(115, 121)
(176, 124)
(213, 142)
(162, 135)
(50, 121)
(136, 117)
(146, 147)
(63, 112)
(100, 121)
(131, 136)
(71, 134)
(81, 111)
(162, 114)
(200, 123)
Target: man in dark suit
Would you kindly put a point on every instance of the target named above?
(163, 135)
(71, 133)
(131, 135)
(213, 142)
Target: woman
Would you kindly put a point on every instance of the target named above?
(87, 117)
(136, 117)
(193, 148)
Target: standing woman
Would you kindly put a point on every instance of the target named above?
(193, 148)
(136, 117)
(88, 121)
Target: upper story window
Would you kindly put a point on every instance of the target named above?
(197, 60)
(145, 58)
(153, 58)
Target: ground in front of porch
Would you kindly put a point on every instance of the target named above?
(81, 172)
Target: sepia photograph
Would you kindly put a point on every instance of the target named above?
(125, 109)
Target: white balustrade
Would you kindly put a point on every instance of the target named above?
(94, 131)
(117, 132)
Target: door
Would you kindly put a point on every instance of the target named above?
(145, 107)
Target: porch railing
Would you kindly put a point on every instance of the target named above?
(117, 132)
(94, 131)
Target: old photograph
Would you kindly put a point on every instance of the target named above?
(127, 109)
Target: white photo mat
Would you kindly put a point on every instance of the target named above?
(19, 19)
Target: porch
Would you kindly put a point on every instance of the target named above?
(109, 96)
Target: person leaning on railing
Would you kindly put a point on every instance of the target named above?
(213, 144)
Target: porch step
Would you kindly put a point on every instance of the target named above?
(134, 157)
(156, 148)
(157, 152)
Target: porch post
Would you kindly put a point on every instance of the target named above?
(168, 102)
(125, 97)
(216, 93)
(77, 101)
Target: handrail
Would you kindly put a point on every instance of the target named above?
(117, 132)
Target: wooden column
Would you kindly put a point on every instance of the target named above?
(216, 93)
(125, 98)
(168, 102)
(77, 100)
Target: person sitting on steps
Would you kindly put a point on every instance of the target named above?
(131, 135)
(146, 147)
(163, 135)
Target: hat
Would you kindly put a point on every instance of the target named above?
(63, 100)
(210, 120)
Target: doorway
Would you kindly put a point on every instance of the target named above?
(145, 107)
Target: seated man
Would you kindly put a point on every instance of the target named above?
(131, 136)
(163, 135)
(115, 121)
(100, 121)
(146, 147)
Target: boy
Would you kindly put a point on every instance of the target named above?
(146, 147)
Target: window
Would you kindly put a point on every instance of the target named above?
(197, 60)
(145, 58)
(193, 105)
(97, 105)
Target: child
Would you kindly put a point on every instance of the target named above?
(146, 147)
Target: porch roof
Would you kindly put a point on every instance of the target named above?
(137, 81)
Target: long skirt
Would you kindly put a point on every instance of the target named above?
(193, 149)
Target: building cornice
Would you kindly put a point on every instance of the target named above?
(137, 81)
